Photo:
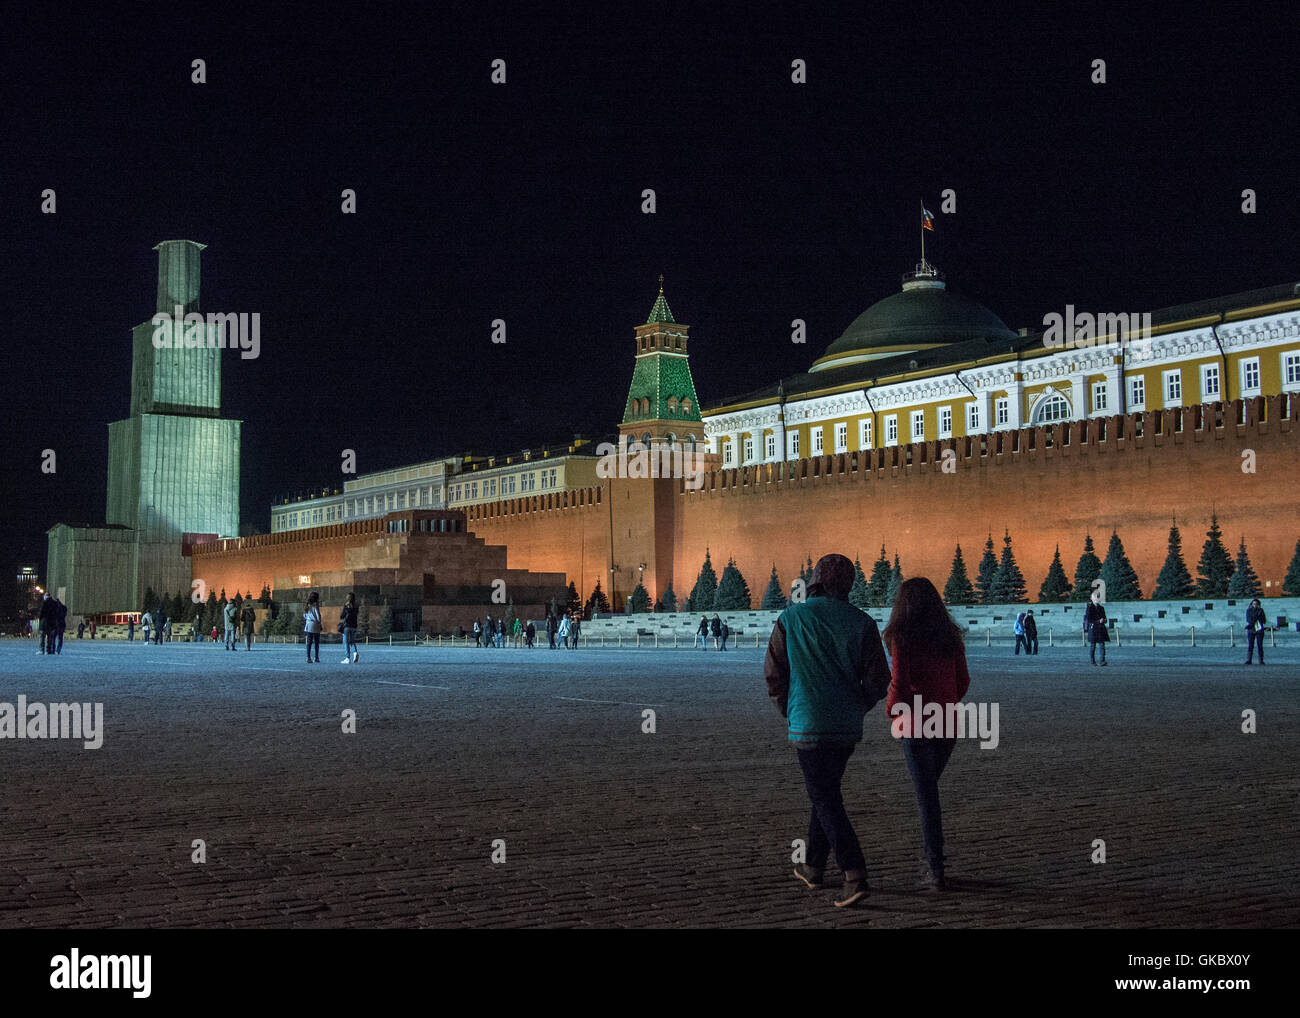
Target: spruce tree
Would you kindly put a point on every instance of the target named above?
(773, 597)
(706, 587)
(384, 624)
(806, 575)
(1214, 571)
(1291, 585)
(1244, 583)
(150, 603)
(1088, 569)
(878, 586)
(1118, 574)
(179, 608)
(895, 581)
(1056, 586)
(958, 589)
(733, 592)
(165, 604)
(1174, 582)
(510, 616)
(859, 593)
(1008, 585)
(987, 572)
(363, 620)
(213, 611)
(668, 602)
(598, 602)
(640, 599)
(573, 604)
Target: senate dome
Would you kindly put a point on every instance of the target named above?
(924, 315)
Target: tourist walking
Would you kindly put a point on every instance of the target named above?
(550, 629)
(130, 629)
(348, 626)
(1030, 625)
(146, 626)
(81, 629)
(248, 619)
(825, 668)
(575, 630)
(1019, 630)
(726, 632)
(563, 631)
(231, 614)
(159, 626)
(716, 626)
(311, 625)
(489, 631)
(501, 633)
(1095, 629)
(703, 632)
(478, 634)
(928, 661)
(167, 630)
(518, 630)
(530, 634)
(1255, 624)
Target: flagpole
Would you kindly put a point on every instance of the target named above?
(922, 232)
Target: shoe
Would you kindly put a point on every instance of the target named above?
(812, 879)
(855, 891)
(933, 881)
(356, 658)
(346, 661)
(1103, 664)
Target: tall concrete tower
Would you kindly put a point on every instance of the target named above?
(173, 465)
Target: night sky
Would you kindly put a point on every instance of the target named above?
(522, 202)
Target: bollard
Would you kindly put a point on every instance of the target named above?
(620, 639)
(1118, 642)
(390, 639)
(638, 638)
(674, 639)
(988, 636)
(1232, 637)
(1272, 639)
(1049, 637)
(1193, 636)
(1153, 636)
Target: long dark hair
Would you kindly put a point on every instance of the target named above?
(920, 624)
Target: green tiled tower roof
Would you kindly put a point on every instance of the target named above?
(659, 312)
(659, 377)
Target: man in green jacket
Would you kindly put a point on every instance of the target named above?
(825, 668)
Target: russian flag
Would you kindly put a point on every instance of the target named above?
(927, 219)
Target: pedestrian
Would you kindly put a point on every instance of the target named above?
(518, 629)
(726, 632)
(825, 668)
(46, 622)
(61, 623)
(311, 625)
(214, 634)
(130, 629)
(530, 634)
(81, 629)
(1255, 625)
(146, 626)
(703, 632)
(159, 626)
(575, 630)
(550, 628)
(229, 615)
(489, 631)
(478, 634)
(93, 629)
(1019, 630)
(248, 619)
(716, 626)
(928, 662)
(1095, 627)
(348, 627)
(501, 633)
(1031, 632)
(563, 631)
(167, 630)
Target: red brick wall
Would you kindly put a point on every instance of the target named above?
(1043, 496)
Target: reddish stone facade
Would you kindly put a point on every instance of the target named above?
(1046, 485)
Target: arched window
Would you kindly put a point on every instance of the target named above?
(645, 405)
(1051, 408)
(646, 439)
(686, 406)
(672, 404)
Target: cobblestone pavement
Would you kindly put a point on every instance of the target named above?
(607, 826)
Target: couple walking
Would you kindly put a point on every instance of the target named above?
(825, 668)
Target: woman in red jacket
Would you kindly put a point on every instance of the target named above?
(927, 665)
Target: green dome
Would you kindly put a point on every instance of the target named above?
(924, 314)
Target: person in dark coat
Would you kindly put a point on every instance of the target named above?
(159, 622)
(1255, 624)
(550, 629)
(726, 632)
(249, 620)
(46, 622)
(530, 634)
(130, 628)
(1031, 632)
(1095, 629)
(61, 623)
(348, 616)
(825, 668)
(703, 632)
(716, 627)
(489, 631)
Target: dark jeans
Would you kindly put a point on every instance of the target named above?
(829, 827)
(1253, 639)
(1021, 641)
(248, 638)
(1031, 643)
(926, 759)
(1095, 644)
(313, 640)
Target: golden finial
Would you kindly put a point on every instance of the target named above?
(661, 282)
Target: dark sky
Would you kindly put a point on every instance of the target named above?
(522, 202)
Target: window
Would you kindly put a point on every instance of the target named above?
(545, 480)
(1003, 409)
(1098, 396)
(841, 438)
(792, 443)
(1209, 382)
(554, 472)
(1174, 387)
(1291, 370)
(1250, 377)
(972, 418)
(945, 422)
(816, 441)
(728, 452)
(864, 434)
(1137, 393)
(769, 446)
(891, 429)
(749, 449)
(686, 406)
(918, 425)
(1052, 408)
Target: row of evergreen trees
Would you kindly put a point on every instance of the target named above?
(1000, 581)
